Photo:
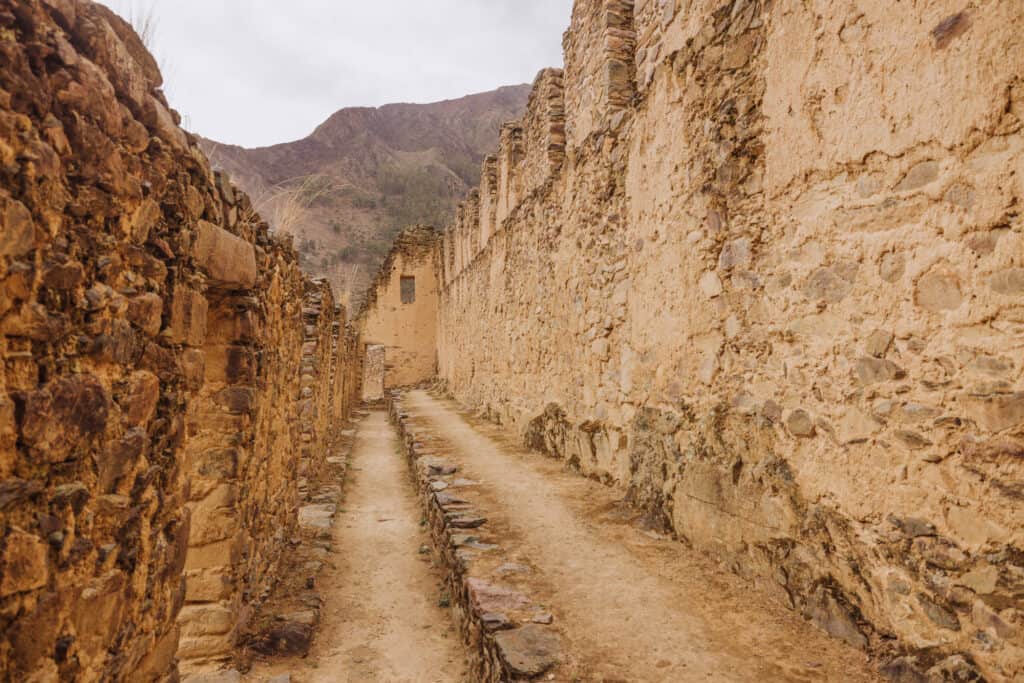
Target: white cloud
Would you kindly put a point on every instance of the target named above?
(257, 72)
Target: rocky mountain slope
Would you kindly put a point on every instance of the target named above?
(364, 174)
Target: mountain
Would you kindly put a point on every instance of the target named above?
(366, 173)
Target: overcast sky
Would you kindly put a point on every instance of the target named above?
(258, 72)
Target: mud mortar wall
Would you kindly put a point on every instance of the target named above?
(162, 386)
(778, 299)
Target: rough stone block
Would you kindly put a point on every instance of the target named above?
(146, 312)
(140, 402)
(24, 565)
(227, 259)
(996, 413)
(18, 234)
(205, 620)
(214, 518)
(529, 650)
(65, 412)
(212, 585)
(188, 321)
(230, 676)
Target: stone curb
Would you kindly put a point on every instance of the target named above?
(504, 630)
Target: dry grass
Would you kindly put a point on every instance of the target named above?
(142, 16)
(348, 281)
(286, 205)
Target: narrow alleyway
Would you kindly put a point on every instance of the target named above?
(381, 621)
(634, 606)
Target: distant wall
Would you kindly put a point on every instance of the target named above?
(774, 293)
(167, 375)
(404, 322)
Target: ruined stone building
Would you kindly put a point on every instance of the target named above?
(398, 323)
(757, 266)
(169, 374)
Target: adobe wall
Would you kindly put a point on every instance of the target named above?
(168, 373)
(406, 329)
(776, 295)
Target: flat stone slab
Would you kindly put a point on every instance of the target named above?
(488, 597)
(528, 650)
(441, 469)
(446, 499)
(495, 621)
(231, 676)
(317, 516)
(467, 522)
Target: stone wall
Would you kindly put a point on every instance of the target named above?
(400, 313)
(259, 430)
(157, 402)
(776, 295)
(599, 56)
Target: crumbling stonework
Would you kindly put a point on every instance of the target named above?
(162, 387)
(259, 428)
(507, 635)
(400, 315)
(773, 292)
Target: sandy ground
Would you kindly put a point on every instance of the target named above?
(380, 619)
(635, 606)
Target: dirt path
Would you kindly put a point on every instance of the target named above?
(635, 608)
(380, 620)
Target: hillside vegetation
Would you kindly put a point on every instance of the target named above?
(365, 174)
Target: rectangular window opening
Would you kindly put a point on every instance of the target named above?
(408, 289)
